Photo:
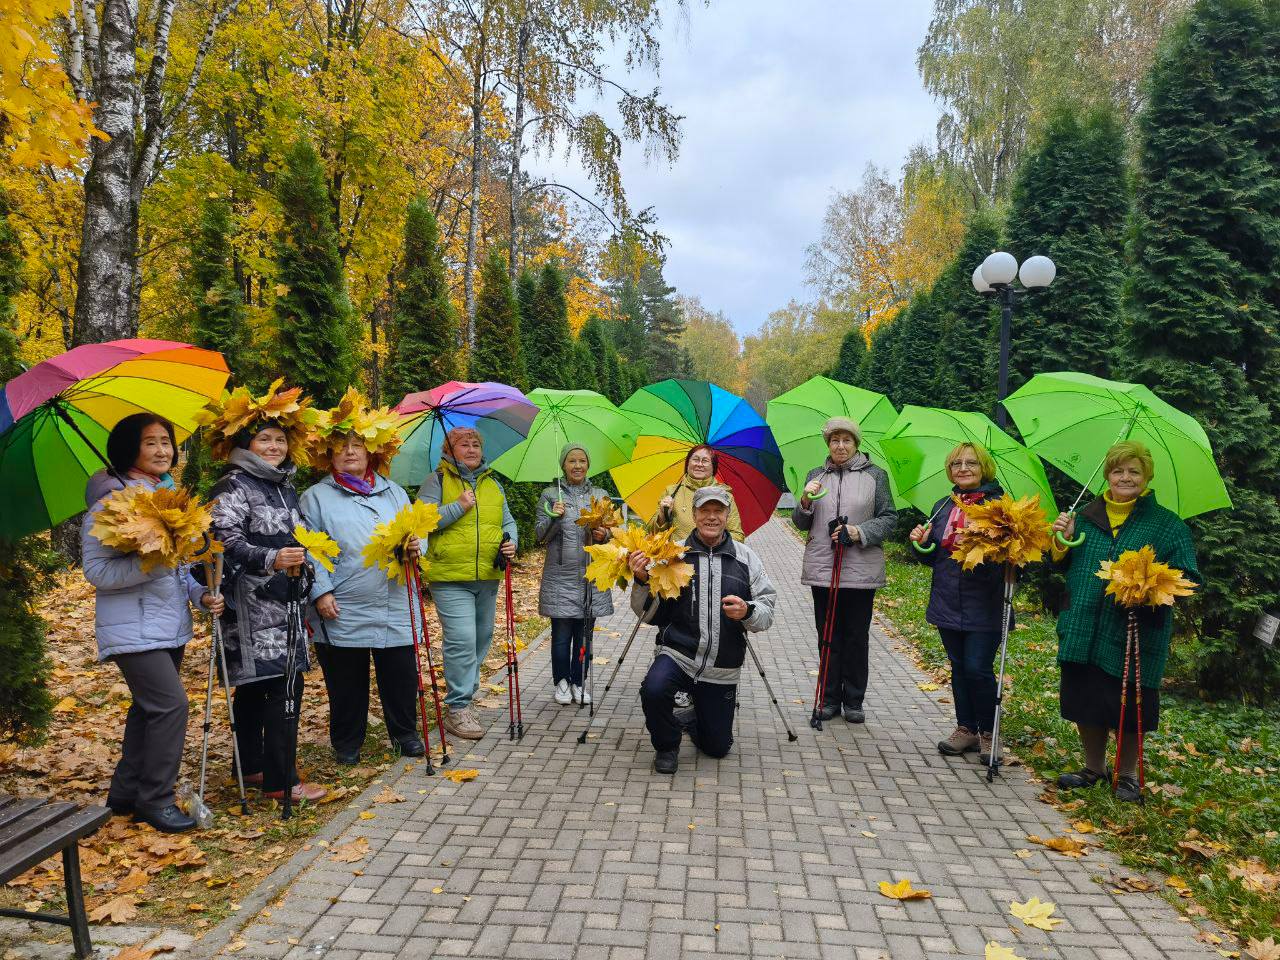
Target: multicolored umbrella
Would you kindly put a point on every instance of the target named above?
(797, 417)
(918, 442)
(583, 417)
(501, 414)
(1071, 419)
(674, 416)
(55, 419)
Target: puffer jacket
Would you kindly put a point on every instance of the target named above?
(693, 629)
(133, 611)
(860, 491)
(564, 587)
(254, 515)
(960, 599)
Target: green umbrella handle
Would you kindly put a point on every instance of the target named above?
(546, 508)
(925, 550)
(1064, 542)
(822, 492)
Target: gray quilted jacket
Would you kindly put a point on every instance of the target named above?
(564, 588)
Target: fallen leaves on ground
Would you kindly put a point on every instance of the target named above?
(351, 852)
(461, 776)
(138, 952)
(928, 687)
(1254, 875)
(997, 952)
(1266, 949)
(902, 890)
(119, 909)
(1035, 913)
(387, 795)
(1067, 846)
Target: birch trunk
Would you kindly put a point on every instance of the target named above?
(473, 203)
(517, 155)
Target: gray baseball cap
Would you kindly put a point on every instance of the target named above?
(712, 494)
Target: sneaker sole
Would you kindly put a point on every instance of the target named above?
(953, 752)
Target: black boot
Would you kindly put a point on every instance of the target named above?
(1084, 777)
(666, 761)
(829, 710)
(413, 747)
(1127, 789)
(168, 819)
(854, 715)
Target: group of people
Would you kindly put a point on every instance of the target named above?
(357, 615)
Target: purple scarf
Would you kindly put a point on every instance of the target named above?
(361, 485)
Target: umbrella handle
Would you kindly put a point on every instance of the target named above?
(546, 508)
(822, 492)
(925, 550)
(1064, 542)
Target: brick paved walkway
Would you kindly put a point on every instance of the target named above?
(566, 851)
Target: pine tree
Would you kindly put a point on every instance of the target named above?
(423, 336)
(1070, 203)
(313, 313)
(544, 330)
(1205, 306)
(630, 335)
(25, 668)
(497, 354)
(853, 351)
(968, 352)
(663, 322)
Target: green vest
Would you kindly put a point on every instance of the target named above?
(466, 550)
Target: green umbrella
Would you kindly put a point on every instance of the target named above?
(796, 418)
(583, 417)
(1071, 419)
(918, 442)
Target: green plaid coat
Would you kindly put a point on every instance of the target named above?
(1092, 627)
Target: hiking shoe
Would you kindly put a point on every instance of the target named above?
(984, 749)
(462, 723)
(1084, 777)
(1127, 789)
(854, 715)
(580, 695)
(562, 694)
(829, 710)
(962, 740)
(682, 700)
(666, 761)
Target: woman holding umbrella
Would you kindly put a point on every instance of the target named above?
(565, 595)
(360, 613)
(143, 623)
(1092, 628)
(965, 606)
(263, 440)
(675, 509)
(855, 511)
(468, 552)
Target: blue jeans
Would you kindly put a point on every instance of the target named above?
(713, 704)
(973, 680)
(466, 611)
(566, 644)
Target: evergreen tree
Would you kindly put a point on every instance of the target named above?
(526, 291)
(663, 322)
(968, 353)
(316, 324)
(586, 375)
(919, 330)
(1205, 306)
(1070, 203)
(880, 366)
(544, 330)
(853, 352)
(497, 354)
(25, 668)
(630, 336)
(595, 343)
(423, 334)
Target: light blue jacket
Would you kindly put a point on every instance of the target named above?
(373, 608)
(134, 611)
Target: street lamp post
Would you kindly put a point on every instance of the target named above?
(994, 277)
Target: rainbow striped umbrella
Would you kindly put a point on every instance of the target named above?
(674, 416)
(55, 418)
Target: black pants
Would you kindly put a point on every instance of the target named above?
(847, 667)
(973, 680)
(346, 677)
(155, 729)
(714, 704)
(261, 730)
(566, 644)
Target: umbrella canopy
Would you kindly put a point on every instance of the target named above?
(55, 419)
(797, 416)
(1071, 419)
(501, 414)
(918, 443)
(674, 416)
(583, 417)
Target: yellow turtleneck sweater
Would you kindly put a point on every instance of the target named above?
(1117, 514)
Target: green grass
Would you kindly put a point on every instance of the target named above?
(1216, 767)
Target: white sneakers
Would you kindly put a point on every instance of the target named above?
(683, 702)
(563, 696)
(580, 695)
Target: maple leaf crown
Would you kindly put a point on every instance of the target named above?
(238, 411)
(378, 428)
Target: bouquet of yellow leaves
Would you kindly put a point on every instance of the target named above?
(384, 548)
(377, 427)
(239, 410)
(1138, 579)
(168, 526)
(668, 573)
(318, 544)
(601, 513)
(1001, 531)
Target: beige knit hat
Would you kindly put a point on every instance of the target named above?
(836, 424)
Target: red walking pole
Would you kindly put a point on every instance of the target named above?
(409, 581)
(828, 629)
(516, 727)
(431, 668)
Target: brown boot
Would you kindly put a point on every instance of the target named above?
(962, 741)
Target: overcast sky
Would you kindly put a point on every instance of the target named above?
(784, 102)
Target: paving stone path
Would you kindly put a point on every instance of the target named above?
(566, 851)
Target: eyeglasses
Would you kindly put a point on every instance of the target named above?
(966, 464)
(702, 460)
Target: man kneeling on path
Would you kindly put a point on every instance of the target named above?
(702, 637)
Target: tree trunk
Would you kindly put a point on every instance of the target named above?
(517, 155)
(473, 227)
(109, 241)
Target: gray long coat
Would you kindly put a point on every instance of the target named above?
(562, 593)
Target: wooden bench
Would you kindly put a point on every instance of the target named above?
(33, 830)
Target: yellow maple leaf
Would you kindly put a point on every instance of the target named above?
(601, 513)
(608, 566)
(318, 544)
(166, 526)
(238, 410)
(1137, 579)
(1001, 530)
(1266, 949)
(668, 578)
(461, 776)
(997, 952)
(1067, 846)
(378, 428)
(1036, 914)
(902, 890)
(384, 549)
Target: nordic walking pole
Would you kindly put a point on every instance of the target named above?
(293, 613)
(208, 693)
(213, 576)
(516, 727)
(409, 567)
(582, 737)
(828, 630)
(993, 761)
(791, 734)
(431, 668)
(1132, 649)
(588, 626)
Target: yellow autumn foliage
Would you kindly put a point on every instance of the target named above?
(238, 410)
(601, 513)
(167, 526)
(418, 519)
(377, 427)
(668, 573)
(1137, 579)
(1001, 531)
(318, 544)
